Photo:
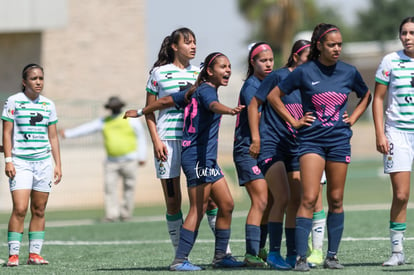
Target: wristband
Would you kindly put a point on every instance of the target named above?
(139, 112)
(8, 159)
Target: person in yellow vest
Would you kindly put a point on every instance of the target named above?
(125, 145)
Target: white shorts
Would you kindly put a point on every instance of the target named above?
(171, 168)
(400, 156)
(34, 175)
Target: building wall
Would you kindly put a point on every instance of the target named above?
(101, 52)
(16, 50)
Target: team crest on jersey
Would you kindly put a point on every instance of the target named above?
(390, 162)
(161, 169)
(154, 83)
(196, 74)
(386, 73)
(44, 106)
(10, 111)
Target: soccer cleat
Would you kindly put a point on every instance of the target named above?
(36, 259)
(315, 258)
(184, 266)
(395, 259)
(291, 260)
(263, 253)
(13, 260)
(254, 261)
(276, 261)
(301, 264)
(227, 261)
(332, 262)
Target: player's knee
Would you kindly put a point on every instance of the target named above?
(227, 208)
(38, 211)
(20, 212)
(402, 197)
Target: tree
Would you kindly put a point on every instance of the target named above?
(381, 21)
(278, 21)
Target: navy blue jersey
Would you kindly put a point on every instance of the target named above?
(242, 137)
(201, 126)
(179, 99)
(246, 165)
(324, 91)
(272, 127)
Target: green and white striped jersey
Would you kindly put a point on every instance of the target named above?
(397, 72)
(164, 81)
(30, 130)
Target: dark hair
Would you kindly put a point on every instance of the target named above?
(26, 71)
(209, 62)
(319, 35)
(409, 19)
(297, 48)
(250, 69)
(166, 54)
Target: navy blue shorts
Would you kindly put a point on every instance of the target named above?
(199, 172)
(282, 152)
(247, 169)
(337, 152)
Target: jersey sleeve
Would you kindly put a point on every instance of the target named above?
(207, 96)
(266, 86)
(359, 85)
(292, 81)
(383, 73)
(152, 83)
(53, 118)
(246, 94)
(8, 110)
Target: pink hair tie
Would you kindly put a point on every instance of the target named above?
(302, 48)
(259, 49)
(325, 32)
(214, 57)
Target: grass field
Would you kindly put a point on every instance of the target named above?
(77, 243)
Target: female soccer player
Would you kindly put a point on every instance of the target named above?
(260, 62)
(325, 84)
(394, 75)
(30, 141)
(199, 162)
(202, 117)
(276, 149)
(171, 73)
